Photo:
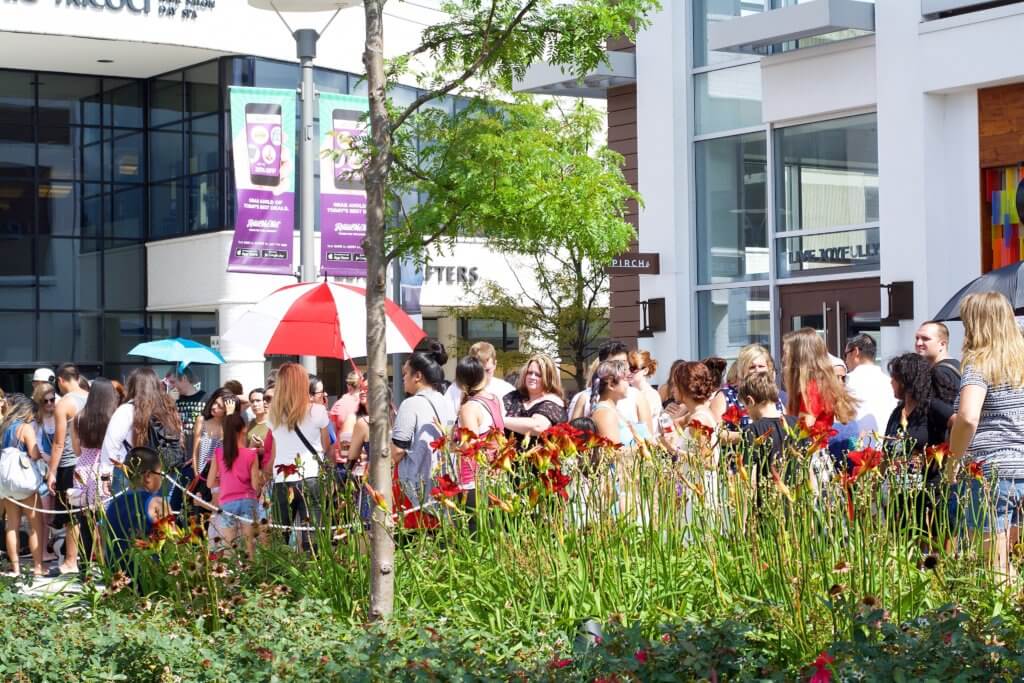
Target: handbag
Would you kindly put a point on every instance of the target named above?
(19, 477)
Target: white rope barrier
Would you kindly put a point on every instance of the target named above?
(283, 527)
(60, 511)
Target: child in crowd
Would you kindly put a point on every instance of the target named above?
(131, 515)
(768, 427)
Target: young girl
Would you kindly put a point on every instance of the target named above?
(19, 432)
(235, 479)
(45, 399)
(610, 385)
(209, 435)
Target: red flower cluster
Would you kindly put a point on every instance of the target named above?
(446, 488)
(865, 460)
(820, 433)
(734, 415)
(289, 470)
(822, 670)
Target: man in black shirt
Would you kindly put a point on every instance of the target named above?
(190, 404)
(932, 342)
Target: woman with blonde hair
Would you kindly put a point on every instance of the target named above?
(18, 431)
(299, 427)
(537, 403)
(989, 429)
(815, 393)
(752, 358)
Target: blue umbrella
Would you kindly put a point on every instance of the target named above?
(184, 352)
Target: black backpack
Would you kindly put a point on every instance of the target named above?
(169, 446)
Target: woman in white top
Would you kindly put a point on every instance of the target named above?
(299, 427)
(643, 368)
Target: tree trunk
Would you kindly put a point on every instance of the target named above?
(382, 542)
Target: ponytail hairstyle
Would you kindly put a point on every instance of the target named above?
(234, 427)
(470, 377)
(608, 373)
(717, 367)
(426, 364)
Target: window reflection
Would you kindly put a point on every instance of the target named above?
(729, 319)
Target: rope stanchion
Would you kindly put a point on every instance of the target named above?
(283, 527)
(72, 511)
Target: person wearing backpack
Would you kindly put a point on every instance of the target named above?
(147, 418)
(19, 434)
(932, 341)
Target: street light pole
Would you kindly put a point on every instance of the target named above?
(305, 47)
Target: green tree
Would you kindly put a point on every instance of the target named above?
(487, 43)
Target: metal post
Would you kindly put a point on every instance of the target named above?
(305, 44)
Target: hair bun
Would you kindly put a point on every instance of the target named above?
(436, 351)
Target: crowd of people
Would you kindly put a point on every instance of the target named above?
(155, 443)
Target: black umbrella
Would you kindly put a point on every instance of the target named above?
(1008, 281)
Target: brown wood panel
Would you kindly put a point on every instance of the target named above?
(1001, 125)
(624, 314)
(620, 44)
(621, 117)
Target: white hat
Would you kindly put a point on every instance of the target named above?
(43, 375)
(837, 362)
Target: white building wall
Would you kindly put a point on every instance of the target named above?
(663, 151)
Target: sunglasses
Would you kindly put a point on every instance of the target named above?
(49, 400)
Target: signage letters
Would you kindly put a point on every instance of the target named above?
(635, 263)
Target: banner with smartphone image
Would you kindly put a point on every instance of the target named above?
(263, 139)
(342, 197)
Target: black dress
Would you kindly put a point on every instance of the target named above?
(515, 407)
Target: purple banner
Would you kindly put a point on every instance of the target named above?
(263, 155)
(342, 199)
(263, 233)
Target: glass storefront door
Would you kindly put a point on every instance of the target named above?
(837, 310)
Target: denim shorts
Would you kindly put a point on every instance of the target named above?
(248, 508)
(992, 504)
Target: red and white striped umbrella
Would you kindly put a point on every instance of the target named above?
(320, 319)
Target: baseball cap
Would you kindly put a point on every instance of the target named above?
(43, 375)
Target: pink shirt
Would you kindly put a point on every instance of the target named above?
(342, 408)
(236, 483)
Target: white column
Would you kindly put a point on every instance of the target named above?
(244, 365)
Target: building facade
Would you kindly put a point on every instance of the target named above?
(841, 164)
(116, 184)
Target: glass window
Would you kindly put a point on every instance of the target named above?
(705, 13)
(64, 336)
(270, 74)
(17, 97)
(204, 145)
(199, 326)
(203, 203)
(732, 234)
(92, 216)
(95, 158)
(121, 332)
(19, 336)
(166, 154)
(826, 174)
(69, 277)
(729, 319)
(127, 218)
(58, 205)
(17, 151)
(330, 81)
(17, 277)
(167, 209)
(201, 89)
(66, 99)
(122, 103)
(834, 252)
(727, 99)
(124, 276)
(126, 158)
(59, 152)
(504, 336)
(166, 100)
(17, 210)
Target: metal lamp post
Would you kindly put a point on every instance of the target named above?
(305, 48)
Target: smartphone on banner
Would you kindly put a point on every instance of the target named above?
(347, 164)
(263, 136)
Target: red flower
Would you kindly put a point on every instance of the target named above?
(289, 470)
(378, 497)
(265, 654)
(937, 454)
(641, 656)
(865, 460)
(555, 482)
(438, 443)
(446, 487)
(847, 482)
(820, 432)
(734, 415)
(499, 503)
(701, 429)
(974, 470)
(557, 663)
(822, 672)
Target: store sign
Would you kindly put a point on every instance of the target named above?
(635, 263)
(837, 256)
(186, 9)
(453, 275)
(342, 195)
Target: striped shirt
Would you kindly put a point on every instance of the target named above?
(998, 443)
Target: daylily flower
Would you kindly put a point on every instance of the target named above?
(937, 454)
(641, 656)
(974, 470)
(378, 497)
(865, 460)
(446, 487)
(846, 481)
(734, 415)
(499, 503)
(820, 433)
(781, 485)
(555, 482)
(557, 663)
(438, 443)
(701, 429)
(287, 470)
(822, 672)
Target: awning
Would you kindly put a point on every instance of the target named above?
(757, 33)
(548, 79)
